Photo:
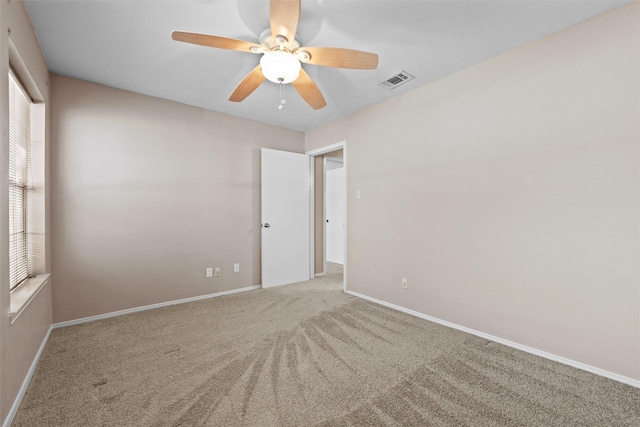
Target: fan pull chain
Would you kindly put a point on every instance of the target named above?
(282, 100)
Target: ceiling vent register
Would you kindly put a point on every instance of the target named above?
(396, 80)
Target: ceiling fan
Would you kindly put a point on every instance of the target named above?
(282, 54)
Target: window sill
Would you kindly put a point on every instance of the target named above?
(25, 293)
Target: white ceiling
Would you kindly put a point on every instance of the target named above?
(127, 44)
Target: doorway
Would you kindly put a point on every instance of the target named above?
(329, 241)
(334, 209)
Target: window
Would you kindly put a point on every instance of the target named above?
(26, 190)
(20, 187)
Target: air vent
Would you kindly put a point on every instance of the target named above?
(396, 80)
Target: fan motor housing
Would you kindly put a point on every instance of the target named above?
(273, 43)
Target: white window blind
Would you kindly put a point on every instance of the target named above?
(19, 182)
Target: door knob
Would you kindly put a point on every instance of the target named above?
(266, 225)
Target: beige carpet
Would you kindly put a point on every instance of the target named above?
(304, 355)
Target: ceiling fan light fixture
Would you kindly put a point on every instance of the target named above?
(280, 47)
(280, 66)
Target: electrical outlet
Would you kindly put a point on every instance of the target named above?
(405, 283)
(236, 267)
(217, 272)
(209, 272)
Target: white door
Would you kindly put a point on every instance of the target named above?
(285, 217)
(335, 212)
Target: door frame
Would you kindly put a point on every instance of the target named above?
(312, 154)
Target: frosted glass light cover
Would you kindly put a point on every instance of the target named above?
(280, 67)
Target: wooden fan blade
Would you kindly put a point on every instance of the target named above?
(284, 17)
(341, 58)
(247, 85)
(214, 41)
(309, 91)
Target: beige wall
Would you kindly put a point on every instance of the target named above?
(20, 341)
(508, 195)
(147, 194)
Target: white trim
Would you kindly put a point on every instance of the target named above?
(324, 214)
(21, 296)
(312, 217)
(601, 372)
(320, 274)
(327, 149)
(346, 214)
(27, 379)
(150, 307)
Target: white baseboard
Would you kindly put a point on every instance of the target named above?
(16, 403)
(150, 307)
(613, 376)
(25, 383)
(320, 274)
